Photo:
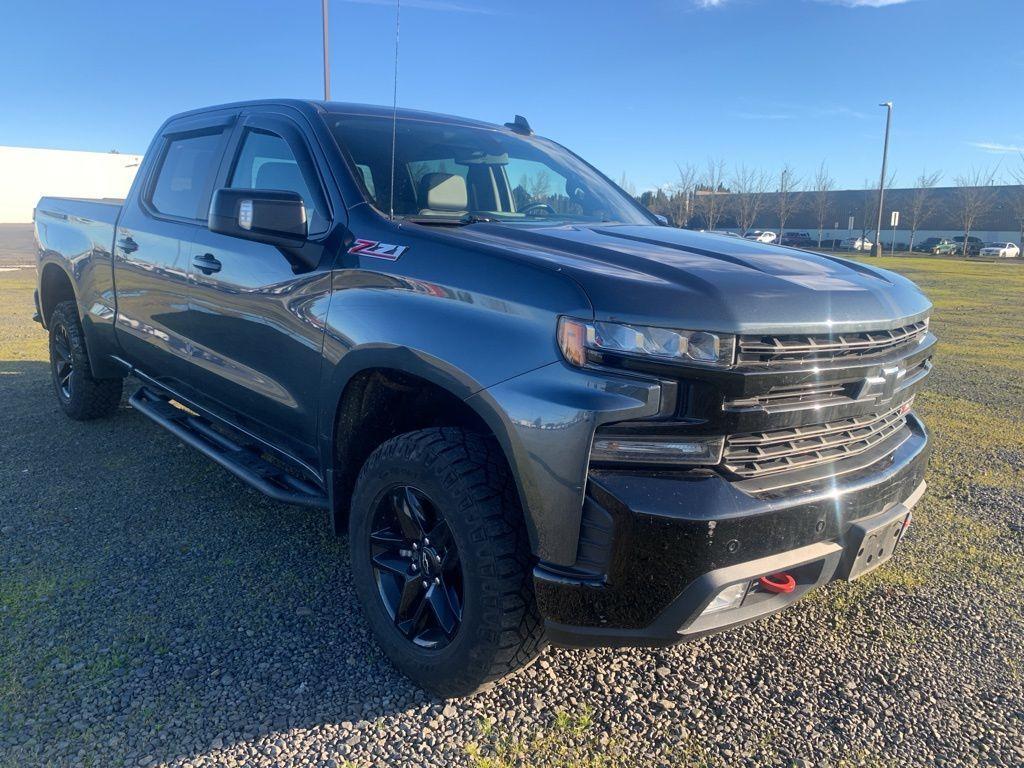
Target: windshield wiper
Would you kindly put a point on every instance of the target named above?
(460, 221)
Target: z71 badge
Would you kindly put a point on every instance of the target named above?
(378, 250)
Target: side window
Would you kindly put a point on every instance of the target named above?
(187, 166)
(267, 162)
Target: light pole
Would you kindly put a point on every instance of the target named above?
(327, 58)
(876, 249)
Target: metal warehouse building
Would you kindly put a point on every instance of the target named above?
(26, 174)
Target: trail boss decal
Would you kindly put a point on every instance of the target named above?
(378, 249)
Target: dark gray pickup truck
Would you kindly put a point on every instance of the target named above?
(540, 414)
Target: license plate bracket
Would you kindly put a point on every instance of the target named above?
(870, 543)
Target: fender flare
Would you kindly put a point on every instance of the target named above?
(335, 380)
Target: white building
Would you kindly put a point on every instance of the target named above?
(26, 174)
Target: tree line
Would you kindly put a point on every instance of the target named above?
(707, 196)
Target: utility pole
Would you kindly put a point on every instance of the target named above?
(876, 249)
(327, 58)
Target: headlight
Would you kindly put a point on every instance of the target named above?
(582, 342)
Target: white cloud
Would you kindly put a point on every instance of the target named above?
(998, 149)
(708, 3)
(431, 5)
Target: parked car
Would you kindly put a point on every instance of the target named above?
(493, 398)
(856, 244)
(796, 239)
(762, 236)
(929, 244)
(1001, 250)
(946, 248)
(974, 245)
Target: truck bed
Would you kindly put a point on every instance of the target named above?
(75, 239)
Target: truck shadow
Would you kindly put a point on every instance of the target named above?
(154, 605)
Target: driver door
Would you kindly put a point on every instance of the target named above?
(256, 339)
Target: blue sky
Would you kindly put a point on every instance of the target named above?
(635, 87)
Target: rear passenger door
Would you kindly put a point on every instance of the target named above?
(153, 240)
(256, 340)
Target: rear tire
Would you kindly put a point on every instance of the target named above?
(80, 395)
(460, 484)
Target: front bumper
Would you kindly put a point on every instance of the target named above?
(656, 547)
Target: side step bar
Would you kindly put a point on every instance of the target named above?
(244, 462)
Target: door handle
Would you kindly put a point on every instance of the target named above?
(127, 245)
(207, 263)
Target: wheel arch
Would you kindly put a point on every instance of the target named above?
(375, 394)
(55, 286)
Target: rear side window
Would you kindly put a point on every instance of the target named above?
(188, 165)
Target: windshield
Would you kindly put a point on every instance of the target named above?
(451, 172)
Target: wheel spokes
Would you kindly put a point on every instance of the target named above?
(409, 512)
(413, 626)
(60, 346)
(417, 567)
(393, 563)
(411, 599)
(441, 607)
(389, 540)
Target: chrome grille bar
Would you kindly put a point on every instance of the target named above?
(764, 453)
(816, 348)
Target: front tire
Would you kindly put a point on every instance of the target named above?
(80, 395)
(441, 562)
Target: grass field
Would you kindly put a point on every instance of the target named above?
(153, 611)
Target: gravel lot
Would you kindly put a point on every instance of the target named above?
(154, 611)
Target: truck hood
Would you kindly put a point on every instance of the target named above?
(666, 276)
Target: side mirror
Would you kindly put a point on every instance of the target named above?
(270, 216)
(665, 221)
(264, 215)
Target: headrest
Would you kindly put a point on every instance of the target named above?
(444, 192)
(280, 175)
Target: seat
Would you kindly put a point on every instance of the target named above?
(444, 193)
(281, 175)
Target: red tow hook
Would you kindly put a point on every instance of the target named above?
(779, 583)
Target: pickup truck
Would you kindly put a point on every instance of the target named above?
(541, 414)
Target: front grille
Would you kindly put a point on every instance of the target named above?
(797, 396)
(764, 453)
(804, 348)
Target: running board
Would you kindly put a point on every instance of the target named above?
(244, 462)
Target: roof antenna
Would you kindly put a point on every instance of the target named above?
(394, 109)
(520, 125)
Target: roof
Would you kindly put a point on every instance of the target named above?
(316, 106)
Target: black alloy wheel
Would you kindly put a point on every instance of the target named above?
(416, 567)
(63, 362)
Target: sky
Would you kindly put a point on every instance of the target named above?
(634, 86)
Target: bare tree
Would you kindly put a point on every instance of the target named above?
(868, 208)
(682, 195)
(823, 186)
(711, 198)
(923, 203)
(748, 190)
(1017, 199)
(869, 205)
(975, 197)
(787, 198)
(627, 185)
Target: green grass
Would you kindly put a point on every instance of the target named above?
(973, 405)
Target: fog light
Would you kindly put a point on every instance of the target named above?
(730, 597)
